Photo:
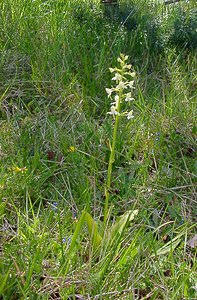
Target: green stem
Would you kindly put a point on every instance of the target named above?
(111, 161)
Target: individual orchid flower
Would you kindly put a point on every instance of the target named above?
(121, 85)
(116, 102)
(132, 74)
(109, 91)
(130, 84)
(130, 115)
(117, 77)
(127, 67)
(112, 70)
(128, 97)
(113, 111)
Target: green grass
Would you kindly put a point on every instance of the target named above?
(54, 68)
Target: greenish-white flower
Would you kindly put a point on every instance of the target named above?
(119, 60)
(121, 85)
(117, 77)
(128, 97)
(123, 88)
(109, 91)
(127, 67)
(130, 115)
(122, 58)
(132, 74)
(112, 70)
(130, 84)
(116, 102)
(113, 111)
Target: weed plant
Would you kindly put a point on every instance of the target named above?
(64, 233)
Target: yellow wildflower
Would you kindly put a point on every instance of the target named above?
(19, 170)
(71, 149)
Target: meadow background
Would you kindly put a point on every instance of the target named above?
(55, 137)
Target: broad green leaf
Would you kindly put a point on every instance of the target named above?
(93, 229)
(167, 248)
(170, 246)
(113, 233)
(122, 221)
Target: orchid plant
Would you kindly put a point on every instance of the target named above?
(121, 92)
(101, 235)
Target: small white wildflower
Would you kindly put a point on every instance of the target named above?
(127, 67)
(121, 85)
(128, 97)
(117, 77)
(130, 115)
(130, 84)
(122, 58)
(113, 111)
(109, 91)
(133, 74)
(116, 99)
(119, 60)
(112, 70)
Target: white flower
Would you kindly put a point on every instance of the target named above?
(122, 58)
(133, 74)
(113, 111)
(116, 101)
(112, 70)
(116, 98)
(130, 84)
(130, 115)
(128, 97)
(121, 85)
(119, 60)
(127, 67)
(117, 77)
(109, 91)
